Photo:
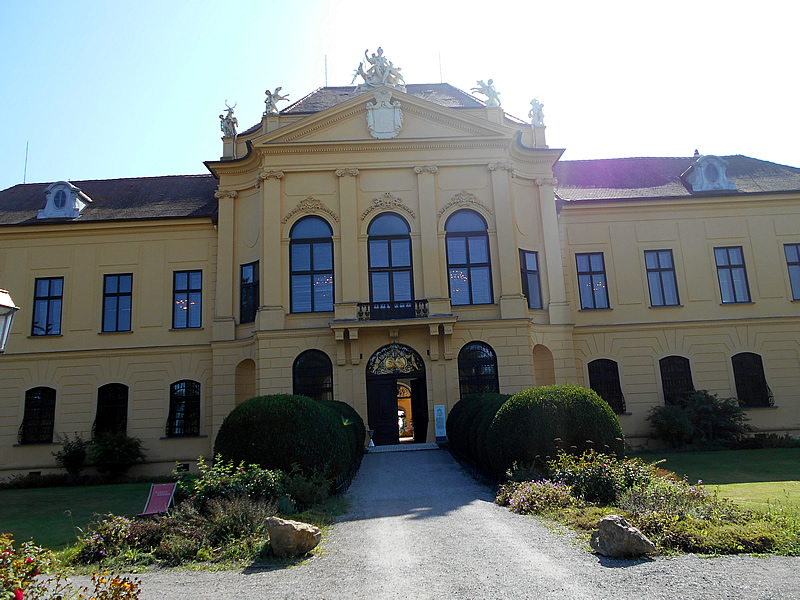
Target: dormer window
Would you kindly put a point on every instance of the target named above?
(708, 174)
(63, 201)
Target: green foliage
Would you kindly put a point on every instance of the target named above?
(761, 441)
(306, 489)
(114, 453)
(224, 479)
(702, 419)
(353, 425)
(535, 497)
(72, 456)
(276, 432)
(109, 537)
(598, 478)
(464, 421)
(531, 425)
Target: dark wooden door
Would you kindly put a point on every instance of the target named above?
(382, 410)
(419, 407)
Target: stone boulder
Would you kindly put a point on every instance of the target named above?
(292, 538)
(617, 538)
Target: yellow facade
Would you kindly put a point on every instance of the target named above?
(444, 161)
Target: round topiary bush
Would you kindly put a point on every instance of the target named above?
(353, 425)
(276, 432)
(481, 425)
(534, 424)
(464, 417)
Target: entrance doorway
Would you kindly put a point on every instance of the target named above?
(397, 400)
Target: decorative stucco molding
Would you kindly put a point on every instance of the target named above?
(384, 117)
(546, 181)
(502, 166)
(219, 194)
(310, 205)
(464, 197)
(265, 175)
(395, 359)
(347, 172)
(387, 200)
(426, 169)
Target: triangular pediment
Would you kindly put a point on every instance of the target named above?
(350, 122)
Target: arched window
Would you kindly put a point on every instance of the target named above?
(391, 281)
(312, 375)
(311, 265)
(468, 265)
(112, 409)
(184, 409)
(676, 378)
(477, 369)
(604, 379)
(751, 383)
(40, 415)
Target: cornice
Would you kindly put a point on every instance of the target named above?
(322, 147)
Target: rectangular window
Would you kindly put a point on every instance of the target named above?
(733, 285)
(793, 262)
(187, 299)
(529, 265)
(47, 298)
(592, 280)
(117, 299)
(661, 278)
(249, 293)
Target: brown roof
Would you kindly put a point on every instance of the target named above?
(168, 197)
(655, 177)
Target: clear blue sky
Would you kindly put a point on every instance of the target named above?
(133, 89)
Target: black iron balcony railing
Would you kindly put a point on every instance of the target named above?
(386, 311)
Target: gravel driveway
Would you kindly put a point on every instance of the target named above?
(420, 528)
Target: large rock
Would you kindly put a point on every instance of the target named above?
(292, 538)
(617, 538)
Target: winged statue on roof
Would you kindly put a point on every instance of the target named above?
(377, 71)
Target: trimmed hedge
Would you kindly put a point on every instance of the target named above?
(353, 425)
(464, 419)
(276, 432)
(534, 424)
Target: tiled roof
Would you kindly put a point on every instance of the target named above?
(168, 197)
(629, 178)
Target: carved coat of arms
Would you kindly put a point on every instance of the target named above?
(384, 117)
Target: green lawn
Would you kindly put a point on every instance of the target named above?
(49, 516)
(758, 479)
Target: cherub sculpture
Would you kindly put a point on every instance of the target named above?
(272, 101)
(487, 89)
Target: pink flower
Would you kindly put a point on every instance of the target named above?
(18, 595)
(28, 560)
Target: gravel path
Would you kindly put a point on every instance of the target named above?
(420, 528)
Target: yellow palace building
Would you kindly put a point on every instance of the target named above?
(393, 246)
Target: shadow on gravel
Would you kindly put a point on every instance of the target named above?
(618, 563)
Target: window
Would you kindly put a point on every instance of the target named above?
(117, 296)
(391, 281)
(187, 299)
(468, 265)
(661, 278)
(184, 409)
(40, 415)
(676, 378)
(604, 379)
(793, 262)
(311, 257)
(592, 281)
(249, 294)
(732, 275)
(112, 409)
(477, 369)
(751, 383)
(312, 375)
(529, 264)
(47, 298)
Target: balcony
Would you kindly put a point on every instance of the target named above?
(387, 311)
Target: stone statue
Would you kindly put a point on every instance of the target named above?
(228, 122)
(377, 71)
(272, 101)
(487, 89)
(535, 113)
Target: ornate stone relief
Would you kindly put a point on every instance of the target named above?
(265, 174)
(379, 72)
(502, 166)
(464, 197)
(426, 169)
(310, 204)
(219, 194)
(384, 117)
(347, 172)
(387, 200)
(708, 174)
(394, 359)
(546, 181)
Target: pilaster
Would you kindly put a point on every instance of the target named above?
(224, 320)
(271, 312)
(431, 263)
(348, 239)
(558, 306)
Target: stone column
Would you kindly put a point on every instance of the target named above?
(271, 312)
(556, 286)
(224, 321)
(512, 302)
(348, 209)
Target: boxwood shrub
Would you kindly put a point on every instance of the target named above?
(464, 418)
(353, 425)
(532, 425)
(276, 432)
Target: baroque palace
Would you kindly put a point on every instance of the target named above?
(393, 246)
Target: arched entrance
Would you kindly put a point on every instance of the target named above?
(393, 371)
